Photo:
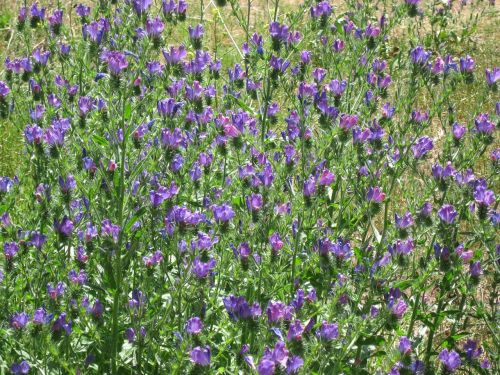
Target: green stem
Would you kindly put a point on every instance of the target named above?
(428, 350)
(118, 255)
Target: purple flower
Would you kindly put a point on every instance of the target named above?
(483, 124)
(337, 87)
(154, 259)
(419, 117)
(115, 60)
(5, 220)
(372, 31)
(309, 187)
(359, 135)
(37, 113)
(57, 291)
(399, 309)
(293, 364)
(375, 194)
(201, 269)
(181, 8)
(155, 68)
(4, 90)
(485, 363)
(194, 326)
(419, 55)
(37, 239)
(54, 101)
(255, 202)
(323, 9)
(438, 66)
(79, 278)
(130, 335)
(447, 213)
(403, 247)
(65, 227)
(37, 14)
(154, 27)
(277, 311)
(422, 147)
(85, 105)
(95, 31)
(96, 310)
(458, 131)
(61, 323)
(21, 17)
(450, 359)
(295, 331)
(388, 111)
(6, 184)
(33, 134)
(279, 64)
(492, 76)
(196, 33)
(90, 233)
(475, 269)
(67, 184)
(20, 368)
(141, 6)
(467, 64)
(137, 302)
(82, 10)
(338, 45)
(326, 178)
(404, 345)
(177, 163)
(110, 230)
(327, 331)
(405, 221)
(56, 18)
(238, 308)
(266, 367)
(276, 242)
(200, 356)
(162, 193)
(319, 74)
(471, 350)
(19, 320)
(484, 197)
(168, 108)
(222, 213)
(348, 121)
(40, 316)
(244, 251)
(280, 353)
(305, 57)
(10, 249)
(175, 55)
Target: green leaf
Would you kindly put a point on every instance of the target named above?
(403, 284)
(244, 106)
(134, 219)
(238, 202)
(371, 340)
(100, 140)
(128, 111)
(380, 353)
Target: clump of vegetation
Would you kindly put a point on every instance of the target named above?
(316, 203)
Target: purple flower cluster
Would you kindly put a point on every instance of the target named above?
(326, 188)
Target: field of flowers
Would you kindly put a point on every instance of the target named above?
(249, 187)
